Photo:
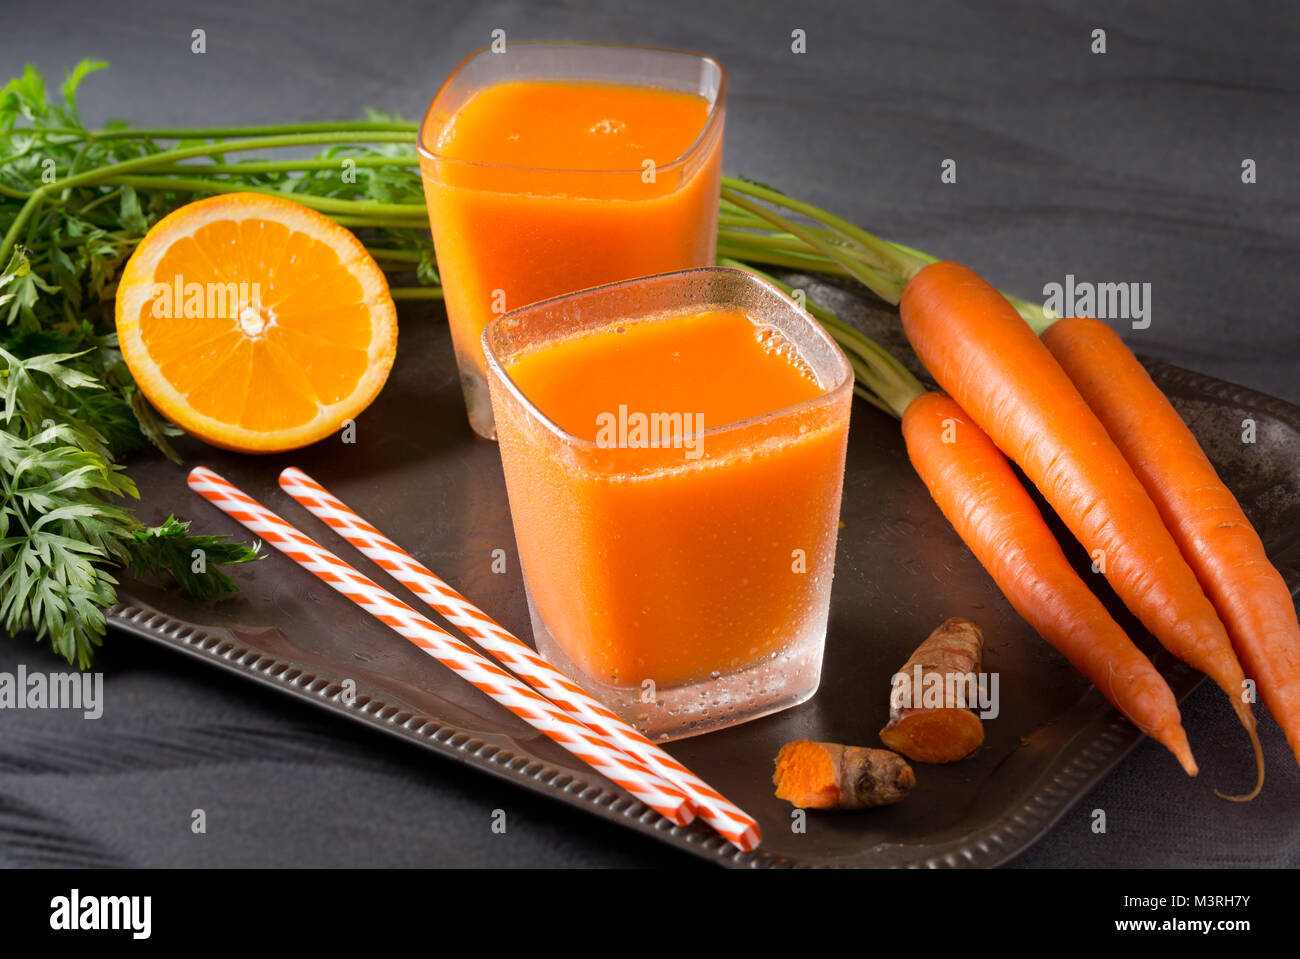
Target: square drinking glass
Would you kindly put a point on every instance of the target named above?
(688, 589)
(508, 236)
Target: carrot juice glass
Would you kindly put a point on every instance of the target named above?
(674, 455)
(554, 167)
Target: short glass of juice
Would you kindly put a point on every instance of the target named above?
(554, 167)
(674, 451)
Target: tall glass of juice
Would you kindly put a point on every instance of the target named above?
(554, 167)
(674, 454)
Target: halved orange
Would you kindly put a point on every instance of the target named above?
(255, 323)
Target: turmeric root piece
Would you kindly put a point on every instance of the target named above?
(929, 721)
(830, 776)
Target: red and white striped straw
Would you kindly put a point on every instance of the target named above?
(507, 690)
(729, 820)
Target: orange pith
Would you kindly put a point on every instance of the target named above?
(255, 323)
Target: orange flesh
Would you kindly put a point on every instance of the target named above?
(683, 568)
(936, 736)
(267, 361)
(312, 348)
(511, 227)
(807, 776)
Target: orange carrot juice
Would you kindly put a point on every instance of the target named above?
(540, 186)
(674, 484)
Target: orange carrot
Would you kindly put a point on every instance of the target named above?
(984, 354)
(1215, 537)
(986, 503)
(974, 486)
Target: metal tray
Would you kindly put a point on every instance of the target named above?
(418, 472)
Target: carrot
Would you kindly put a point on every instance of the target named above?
(832, 776)
(975, 488)
(983, 353)
(1213, 533)
(984, 500)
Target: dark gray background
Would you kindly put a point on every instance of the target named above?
(1121, 167)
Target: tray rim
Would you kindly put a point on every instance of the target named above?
(1091, 753)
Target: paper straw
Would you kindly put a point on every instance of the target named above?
(729, 820)
(524, 702)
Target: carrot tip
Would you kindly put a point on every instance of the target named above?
(1175, 740)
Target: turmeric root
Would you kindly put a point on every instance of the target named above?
(928, 716)
(830, 776)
